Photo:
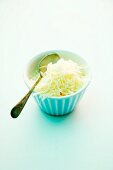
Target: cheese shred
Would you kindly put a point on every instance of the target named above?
(61, 79)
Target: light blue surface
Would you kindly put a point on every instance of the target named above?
(82, 140)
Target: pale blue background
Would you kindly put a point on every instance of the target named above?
(82, 140)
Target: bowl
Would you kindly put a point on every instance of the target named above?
(56, 105)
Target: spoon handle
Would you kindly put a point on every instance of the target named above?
(16, 110)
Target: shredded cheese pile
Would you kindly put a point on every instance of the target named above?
(62, 78)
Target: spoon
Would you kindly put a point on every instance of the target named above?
(16, 110)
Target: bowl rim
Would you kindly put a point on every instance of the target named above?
(25, 77)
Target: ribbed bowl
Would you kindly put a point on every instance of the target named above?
(56, 105)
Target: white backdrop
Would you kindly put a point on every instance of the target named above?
(82, 140)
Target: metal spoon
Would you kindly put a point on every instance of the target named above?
(16, 110)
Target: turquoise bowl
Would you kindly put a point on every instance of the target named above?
(57, 106)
